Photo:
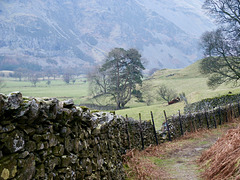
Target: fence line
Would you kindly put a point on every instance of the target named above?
(178, 125)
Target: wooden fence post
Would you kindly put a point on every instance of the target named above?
(219, 115)
(199, 120)
(230, 107)
(141, 133)
(238, 109)
(206, 119)
(192, 122)
(180, 122)
(227, 113)
(169, 135)
(128, 136)
(214, 119)
(154, 129)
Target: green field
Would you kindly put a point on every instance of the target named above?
(58, 88)
(188, 80)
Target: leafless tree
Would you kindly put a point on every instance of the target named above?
(221, 47)
(166, 93)
(34, 79)
(67, 77)
(226, 13)
(2, 84)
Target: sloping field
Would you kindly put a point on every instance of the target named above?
(188, 80)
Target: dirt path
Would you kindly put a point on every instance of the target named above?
(181, 160)
(183, 164)
(177, 159)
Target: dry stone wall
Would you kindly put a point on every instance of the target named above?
(202, 119)
(211, 103)
(49, 139)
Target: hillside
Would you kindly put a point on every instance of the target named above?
(188, 80)
(78, 34)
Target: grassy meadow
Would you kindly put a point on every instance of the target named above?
(58, 88)
(188, 80)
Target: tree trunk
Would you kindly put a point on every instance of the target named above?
(118, 105)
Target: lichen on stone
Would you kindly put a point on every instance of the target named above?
(5, 174)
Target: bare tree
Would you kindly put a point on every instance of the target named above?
(97, 81)
(2, 84)
(19, 73)
(34, 79)
(222, 46)
(67, 78)
(98, 85)
(226, 13)
(165, 93)
(222, 62)
(48, 82)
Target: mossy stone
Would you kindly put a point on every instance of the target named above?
(30, 146)
(68, 144)
(29, 168)
(15, 141)
(84, 108)
(58, 150)
(8, 167)
(7, 128)
(52, 140)
(40, 171)
(65, 161)
(52, 162)
(23, 155)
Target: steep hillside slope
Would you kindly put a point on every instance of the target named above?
(73, 32)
